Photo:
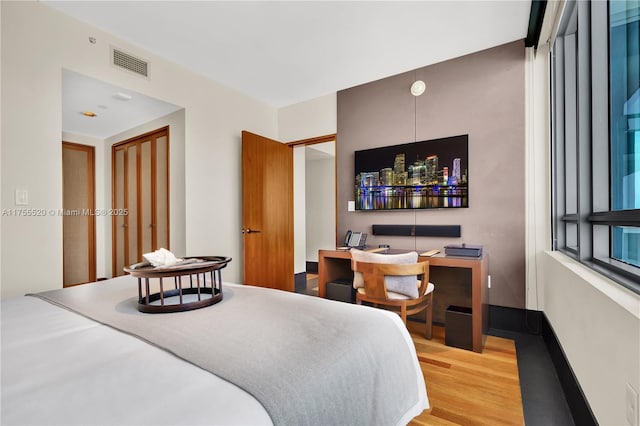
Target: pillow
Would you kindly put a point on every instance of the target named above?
(406, 285)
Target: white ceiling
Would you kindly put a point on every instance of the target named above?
(287, 52)
(114, 112)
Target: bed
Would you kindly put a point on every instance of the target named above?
(87, 355)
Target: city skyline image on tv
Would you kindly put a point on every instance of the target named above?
(429, 174)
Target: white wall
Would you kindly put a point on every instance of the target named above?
(299, 215)
(314, 204)
(538, 169)
(598, 325)
(42, 42)
(320, 206)
(316, 117)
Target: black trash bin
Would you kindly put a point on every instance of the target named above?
(341, 289)
(457, 327)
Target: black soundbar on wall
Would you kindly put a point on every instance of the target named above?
(417, 230)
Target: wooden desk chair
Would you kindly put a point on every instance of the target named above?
(375, 289)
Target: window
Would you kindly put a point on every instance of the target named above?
(596, 137)
(624, 93)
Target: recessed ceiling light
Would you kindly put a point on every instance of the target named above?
(88, 113)
(122, 96)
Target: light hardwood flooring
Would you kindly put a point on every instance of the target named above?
(312, 284)
(468, 388)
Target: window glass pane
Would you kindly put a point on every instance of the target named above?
(626, 244)
(624, 62)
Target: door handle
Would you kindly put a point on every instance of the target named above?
(249, 231)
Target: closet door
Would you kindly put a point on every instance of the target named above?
(119, 222)
(140, 185)
(146, 196)
(78, 222)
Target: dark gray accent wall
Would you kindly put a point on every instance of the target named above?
(481, 95)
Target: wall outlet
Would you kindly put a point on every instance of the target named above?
(631, 406)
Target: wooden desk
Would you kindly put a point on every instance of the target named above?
(336, 264)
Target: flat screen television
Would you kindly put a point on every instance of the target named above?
(431, 174)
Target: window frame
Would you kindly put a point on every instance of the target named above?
(590, 127)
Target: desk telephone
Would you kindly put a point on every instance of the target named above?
(355, 239)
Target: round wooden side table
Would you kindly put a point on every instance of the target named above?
(190, 290)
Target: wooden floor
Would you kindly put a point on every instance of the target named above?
(468, 388)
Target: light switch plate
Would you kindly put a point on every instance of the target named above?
(351, 206)
(22, 197)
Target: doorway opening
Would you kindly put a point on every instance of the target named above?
(78, 218)
(314, 207)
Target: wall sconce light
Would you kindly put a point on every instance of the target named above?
(418, 87)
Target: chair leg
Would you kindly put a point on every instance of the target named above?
(429, 316)
(403, 313)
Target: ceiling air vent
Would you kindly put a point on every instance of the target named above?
(131, 63)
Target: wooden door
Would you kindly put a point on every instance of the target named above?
(141, 188)
(267, 212)
(78, 220)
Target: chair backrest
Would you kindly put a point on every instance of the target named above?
(373, 275)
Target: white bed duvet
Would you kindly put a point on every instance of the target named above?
(59, 367)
